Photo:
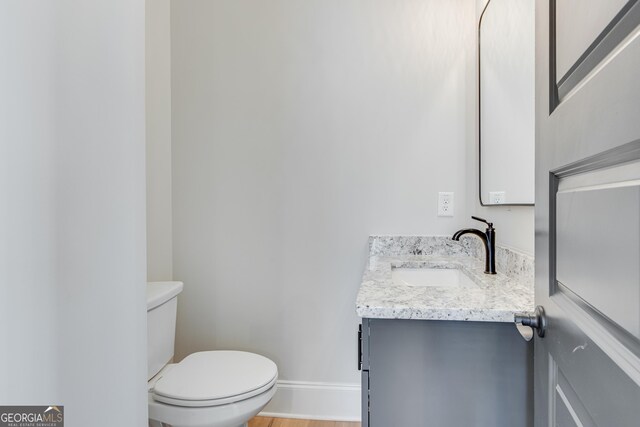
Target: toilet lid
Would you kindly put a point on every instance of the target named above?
(216, 377)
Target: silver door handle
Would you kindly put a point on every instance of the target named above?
(537, 321)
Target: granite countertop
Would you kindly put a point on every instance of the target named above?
(495, 299)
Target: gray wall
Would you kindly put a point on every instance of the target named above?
(298, 129)
(158, 121)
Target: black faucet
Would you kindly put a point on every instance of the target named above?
(489, 240)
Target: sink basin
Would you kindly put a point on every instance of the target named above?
(440, 277)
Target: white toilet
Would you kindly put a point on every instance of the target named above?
(206, 389)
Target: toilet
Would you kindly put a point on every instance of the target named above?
(207, 388)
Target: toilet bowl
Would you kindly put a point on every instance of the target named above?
(212, 389)
(205, 389)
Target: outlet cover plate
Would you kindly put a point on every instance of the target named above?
(497, 197)
(445, 203)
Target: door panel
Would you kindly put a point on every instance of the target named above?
(587, 367)
(565, 417)
(617, 39)
(601, 270)
(569, 410)
(594, 387)
(579, 24)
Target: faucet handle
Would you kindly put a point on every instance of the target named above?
(490, 224)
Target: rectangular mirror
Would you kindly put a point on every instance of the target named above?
(506, 83)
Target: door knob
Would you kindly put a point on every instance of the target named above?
(537, 321)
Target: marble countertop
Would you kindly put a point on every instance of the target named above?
(495, 299)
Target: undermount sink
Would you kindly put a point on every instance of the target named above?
(438, 277)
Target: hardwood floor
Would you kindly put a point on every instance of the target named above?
(290, 422)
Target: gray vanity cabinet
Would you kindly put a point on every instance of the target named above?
(431, 373)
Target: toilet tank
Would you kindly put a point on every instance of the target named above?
(162, 304)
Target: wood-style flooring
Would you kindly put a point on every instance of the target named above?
(290, 422)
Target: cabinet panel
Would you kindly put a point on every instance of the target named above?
(365, 399)
(443, 374)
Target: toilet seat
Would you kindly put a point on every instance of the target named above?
(213, 378)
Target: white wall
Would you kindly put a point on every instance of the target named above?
(514, 224)
(28, 207)
(72, 221)
(158, 101)
(298, 129)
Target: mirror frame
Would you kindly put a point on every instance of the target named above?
(480, 122)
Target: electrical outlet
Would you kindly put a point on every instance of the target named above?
(497, 197)
(445, 203)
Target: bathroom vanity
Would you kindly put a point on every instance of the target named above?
(438, 344)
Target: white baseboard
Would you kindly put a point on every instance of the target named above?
(315, 401)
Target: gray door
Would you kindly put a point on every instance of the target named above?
(587, 366)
